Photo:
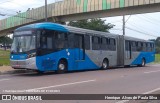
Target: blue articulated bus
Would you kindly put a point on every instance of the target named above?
(54, 47)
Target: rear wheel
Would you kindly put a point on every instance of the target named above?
(62, 67)
(143, 63)
(105, 64)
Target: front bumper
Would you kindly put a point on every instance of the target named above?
(24, 64)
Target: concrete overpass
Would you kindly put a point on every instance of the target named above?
(68, 10)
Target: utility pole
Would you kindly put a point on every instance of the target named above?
(46, 10)
(124, 24)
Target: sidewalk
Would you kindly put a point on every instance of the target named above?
(10, 70)
(4, 69)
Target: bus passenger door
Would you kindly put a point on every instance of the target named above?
(79, 47)
(128, 50)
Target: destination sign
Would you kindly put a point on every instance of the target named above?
(23, 33)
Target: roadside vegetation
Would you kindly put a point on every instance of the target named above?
(4, 57)
(157, 58)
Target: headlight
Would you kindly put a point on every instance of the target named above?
(31, 55)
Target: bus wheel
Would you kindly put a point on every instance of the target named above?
(62, 66)
(105, 64)
(143, 63)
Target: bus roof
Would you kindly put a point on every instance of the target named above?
(64, 28)
(136, 39)
(45, 25)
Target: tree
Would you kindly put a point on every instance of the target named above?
(6, 41)
(157, 43)
(92, 24)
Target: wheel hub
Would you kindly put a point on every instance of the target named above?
(104, 65)
(61, 66)
(143, 63)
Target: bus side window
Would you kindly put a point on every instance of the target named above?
(134, 44)
(38, 38)
(112, 45)
(70, 40)
(87, 42)
(127, 45)
(148, 47)
(49, 40)
(152, 46)
(139, 47)
(61, 40)
(78, 41)
(104, 43)
(46, 42)
(144, 47)
(49, 43)
(96, 43)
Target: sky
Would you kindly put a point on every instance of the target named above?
(143, 26)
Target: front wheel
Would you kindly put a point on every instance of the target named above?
(62, 67)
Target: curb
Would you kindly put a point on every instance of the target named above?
(13, 72)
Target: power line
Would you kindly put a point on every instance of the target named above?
(140, 27)
(148, 20)
(128, 19)
(141, 32)
(116, 21)
(148, 17)
(156, 20)
(117, 29)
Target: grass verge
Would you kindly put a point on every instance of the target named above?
(4, 57)
(157, 58)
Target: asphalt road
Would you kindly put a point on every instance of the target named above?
(133, 80)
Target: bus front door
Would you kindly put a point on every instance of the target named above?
(79, 46)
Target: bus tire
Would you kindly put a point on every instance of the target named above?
(62, 66)
(143, 63)
(105, 64)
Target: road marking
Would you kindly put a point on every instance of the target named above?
(151, 72)
(64, 84)
(154, 90)
(4, 79)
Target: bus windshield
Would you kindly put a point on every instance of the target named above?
(23, 44)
